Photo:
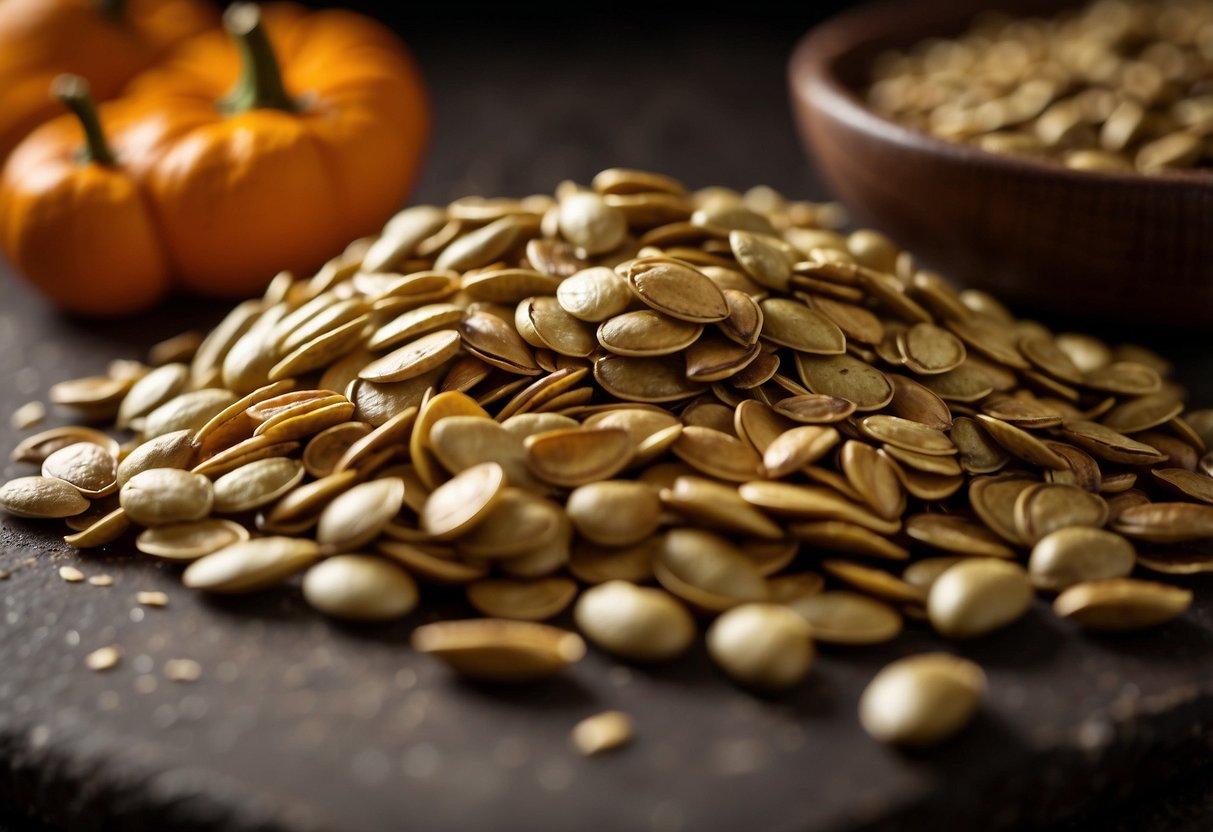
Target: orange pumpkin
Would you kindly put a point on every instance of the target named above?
(106, 41)
(73, 222)
(274, 148)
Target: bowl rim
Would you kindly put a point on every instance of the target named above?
(814, 81)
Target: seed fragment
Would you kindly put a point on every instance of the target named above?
(71, 574)
(103, 658)
(151, 599)
(602, 732)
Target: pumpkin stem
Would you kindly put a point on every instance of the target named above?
(260, 85)
(73, 91)
(112, 9)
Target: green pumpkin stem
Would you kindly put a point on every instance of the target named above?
(260, 85)
(73, 91)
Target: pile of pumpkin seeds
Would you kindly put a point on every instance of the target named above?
(1120, 85)
(662, 411)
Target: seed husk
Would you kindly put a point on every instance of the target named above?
(458, 505)
(641, 624)
(706, 570)
(256, 484)
(614, 512)
(1043, 508)
(171, 450)
(872, 581)
(845, 377)
(814, 409)
(360, 588)
(521, 600)
(678, 290)
(103, 531)
(160, 496)
(602, 732)
(1075, 555)
(251, 565)
(812, 503)
(763, 646)
(921, 700)
(645, 333)
(89, 468)
(575, 457)
(1120, 604)
(1165, 522)
(794, 449)
(358, 516)
(978, 596)
(500, 651)
(928, 349)
(719, 506)
(35, 449)
(717, 454)
(519, 523)
(845, 617)
(958, 534)
(1191, 484)
(191, 540)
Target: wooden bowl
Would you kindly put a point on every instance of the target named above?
(1078, 244)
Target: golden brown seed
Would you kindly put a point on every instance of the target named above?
(614, 512)
(251, 565)
(921, 700)
(360, 588)
(1119, 604)
(460, 504)
(637, 623)
(678, 290)
(1075, 555)
(501, 651)
(358, 516)
(978, 596)
(764, 646)
(522, 600)
(578, 456)
(191, 540)
(707, 571)
(41, 498)
(602, 732)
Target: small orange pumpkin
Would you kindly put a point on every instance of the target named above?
(274, 147)
(106, 41)
(74, 222)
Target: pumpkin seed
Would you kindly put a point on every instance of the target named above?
(1075, 555)
(458, 505)
(501, 651)
(636, 623)
(953, 533)
(873, 581)
(843, 617)
(105, 530)
(589, 223)
(191, 540)
(151, 391)
(255, 484)
(170, 450)
(1196, 486)
(928, 349)
(522, 600)
(359, 515)
(519, 523)
(706, 570)
(360, 588)
(1021, 444)
(614, 512)
(1043, 508)
(251, 565)
(764, 646)
(86, 467)
(845, 377)
(921, 700)
(1165, 522)
(978, 596)
(677, 290)
(161, 496)
(35, 449)
(794, 449)
(578, 456)
(1118, 604)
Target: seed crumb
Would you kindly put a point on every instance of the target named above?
(152, 599)
(103, 658)
(4, 575)
(101, 580)
(182, 670)
(28, 415)
(71, 574)
(601, 732)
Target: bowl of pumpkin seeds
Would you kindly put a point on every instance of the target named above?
(630, 417)
(1058, 154)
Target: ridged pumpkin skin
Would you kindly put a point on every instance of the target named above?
(41, 39)
(241, 196)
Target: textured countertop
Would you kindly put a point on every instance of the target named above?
(297, 723)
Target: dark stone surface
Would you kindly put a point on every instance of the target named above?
(301, 724)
